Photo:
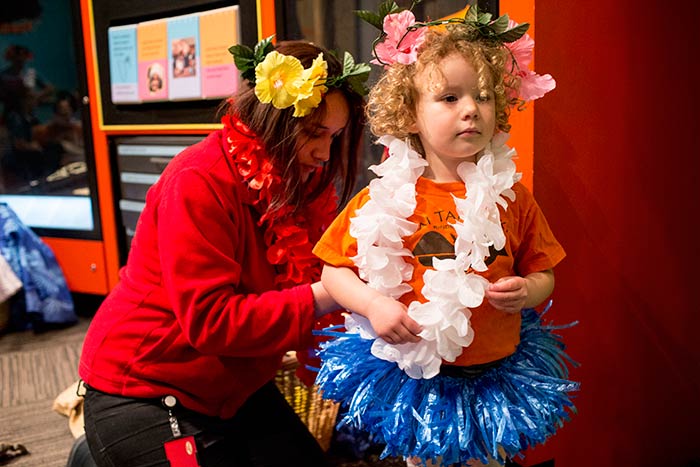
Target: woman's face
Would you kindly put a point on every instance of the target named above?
(314, 144)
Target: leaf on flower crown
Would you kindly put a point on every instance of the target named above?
(354, 74)
(496, 29)
(387, 7)
(246, 59)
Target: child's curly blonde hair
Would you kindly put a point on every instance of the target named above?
(391, 106)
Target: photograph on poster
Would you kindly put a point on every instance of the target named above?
(155, 74)
(184, 57)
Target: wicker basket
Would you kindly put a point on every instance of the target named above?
(317, 413)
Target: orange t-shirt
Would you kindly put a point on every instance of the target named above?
(530, 247)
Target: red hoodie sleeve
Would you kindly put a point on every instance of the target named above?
(201, 233)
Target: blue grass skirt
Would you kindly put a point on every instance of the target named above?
(514, 405)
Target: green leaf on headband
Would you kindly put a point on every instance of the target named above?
(500, 25)
(348, 63)
(475, 16)
(496, 29)
(514, 34)
(241, 53)
(388, 7)
(263, 48)
(246, 59)
(357, 84)
(385, 8)
(370, 17)
(354, 74)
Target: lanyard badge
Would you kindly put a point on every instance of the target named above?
(182, 450)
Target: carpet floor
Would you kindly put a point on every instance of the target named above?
(34, 369)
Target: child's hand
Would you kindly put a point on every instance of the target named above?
(390, 320)
(508, 294)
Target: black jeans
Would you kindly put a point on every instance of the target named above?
(126, 432)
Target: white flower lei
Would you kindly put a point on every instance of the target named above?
(382, 222)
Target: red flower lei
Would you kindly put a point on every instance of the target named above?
(289, 236)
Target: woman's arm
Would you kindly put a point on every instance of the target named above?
(387, 316)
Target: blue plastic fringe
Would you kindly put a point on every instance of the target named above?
(515, 405)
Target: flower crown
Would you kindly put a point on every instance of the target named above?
(283, 81)
(401, 37)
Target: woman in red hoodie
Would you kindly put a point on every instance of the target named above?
(179, 361)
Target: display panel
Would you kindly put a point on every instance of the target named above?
(175, 58)
(162, 63)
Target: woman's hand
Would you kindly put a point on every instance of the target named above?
(390, 320)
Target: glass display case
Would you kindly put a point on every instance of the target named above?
(46, 159)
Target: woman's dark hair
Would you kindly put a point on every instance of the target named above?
(279, 130)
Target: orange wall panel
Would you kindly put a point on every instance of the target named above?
(102, 166)
(522, 132)
(266, 18)
(82, 263)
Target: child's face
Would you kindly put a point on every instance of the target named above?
(454, 119)
(155, 83)
(314, 145)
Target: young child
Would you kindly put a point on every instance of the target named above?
(441, 259)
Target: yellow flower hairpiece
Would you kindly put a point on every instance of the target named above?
(278, 79)
(283, 81)
(313, 88)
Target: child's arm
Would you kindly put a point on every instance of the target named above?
(513, 293)
(323, 302)
(387, 316)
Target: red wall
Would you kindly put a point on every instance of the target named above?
(616, 171)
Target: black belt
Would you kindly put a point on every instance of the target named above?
(471, 371)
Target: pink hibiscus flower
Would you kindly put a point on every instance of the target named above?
(397, 45)
(532, 85)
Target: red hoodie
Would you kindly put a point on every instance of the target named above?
(195, 313)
